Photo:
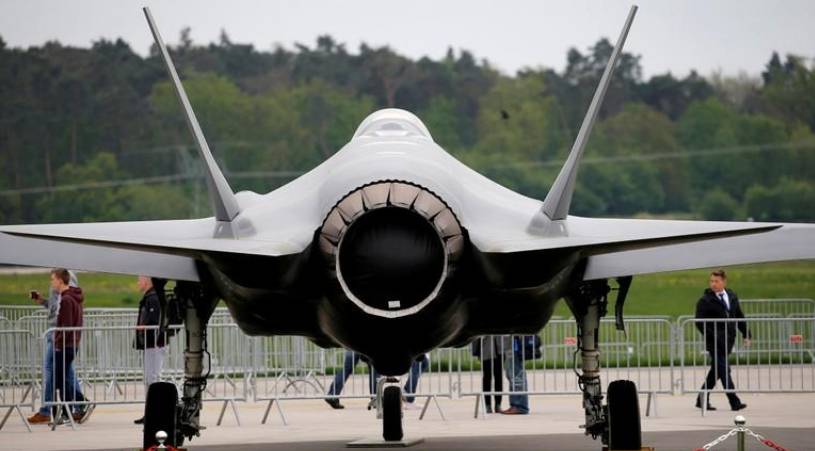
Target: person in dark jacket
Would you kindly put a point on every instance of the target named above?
(51, 304)
(148, 339)
(718, 302)
(66, 342)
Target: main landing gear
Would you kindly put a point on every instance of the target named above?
(163, 411)
(617, 423)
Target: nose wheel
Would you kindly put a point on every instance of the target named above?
(392, 413)
(390, 409)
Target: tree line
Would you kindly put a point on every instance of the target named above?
(90, 134)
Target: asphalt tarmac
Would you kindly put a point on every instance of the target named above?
(787, 419)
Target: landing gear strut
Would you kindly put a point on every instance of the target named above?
(197, 304)
(618, 423)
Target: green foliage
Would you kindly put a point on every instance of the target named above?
(517, 117)
(124, 203)
(635, 185)
(788, 201)
(96, 116)
(717, 205)
(790, 89)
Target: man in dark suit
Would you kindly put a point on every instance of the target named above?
(718, 302)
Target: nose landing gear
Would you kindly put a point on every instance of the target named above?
(390, 409)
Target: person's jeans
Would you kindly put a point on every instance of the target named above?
(416, 369)
(48, 378)
(516, 373)
(351, 360)
(63, 363)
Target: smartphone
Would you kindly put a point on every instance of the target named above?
(34, 295)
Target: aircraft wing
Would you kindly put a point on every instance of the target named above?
(166, 249)
(598, 235)
(177, 237)
(787, 242)
(27, 251)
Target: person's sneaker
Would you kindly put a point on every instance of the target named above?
(740, 406)
(709, 407)
(489, 409)
(39, 418)
(139, 421)
(334, 403)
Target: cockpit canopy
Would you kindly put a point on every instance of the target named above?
(392, 122)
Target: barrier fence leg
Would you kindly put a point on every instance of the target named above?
(235, 411)
(435, 400)
(424, 408)
(652, 400)
(221, 415)
(19, 412)
(231, 403)
(22, 418)
(480, 407)
(279, 411)
(438, 407)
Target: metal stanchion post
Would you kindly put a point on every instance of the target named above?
(740, 434)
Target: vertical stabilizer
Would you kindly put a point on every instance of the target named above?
(220, 193)
(559, 197)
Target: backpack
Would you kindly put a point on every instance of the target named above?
(173, 311)
(530, 346)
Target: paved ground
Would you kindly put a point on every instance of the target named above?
(786, 418)
(795, 439)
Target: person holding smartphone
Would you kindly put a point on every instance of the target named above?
(51, 303)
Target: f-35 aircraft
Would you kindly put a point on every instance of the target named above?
(392, 248)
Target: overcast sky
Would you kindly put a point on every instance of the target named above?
(675, 35)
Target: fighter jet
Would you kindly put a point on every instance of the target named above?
(392, 248)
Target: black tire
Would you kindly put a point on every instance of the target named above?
(624, 430)
(392, 414)
(160, 413)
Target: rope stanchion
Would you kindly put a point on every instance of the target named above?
(740, 430)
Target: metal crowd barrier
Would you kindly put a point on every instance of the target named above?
(293, 368)
(781, 307)
(15, 312)
(643, 354)
(109, 369)
(17, 386)
(779, 359)
(661, 356)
